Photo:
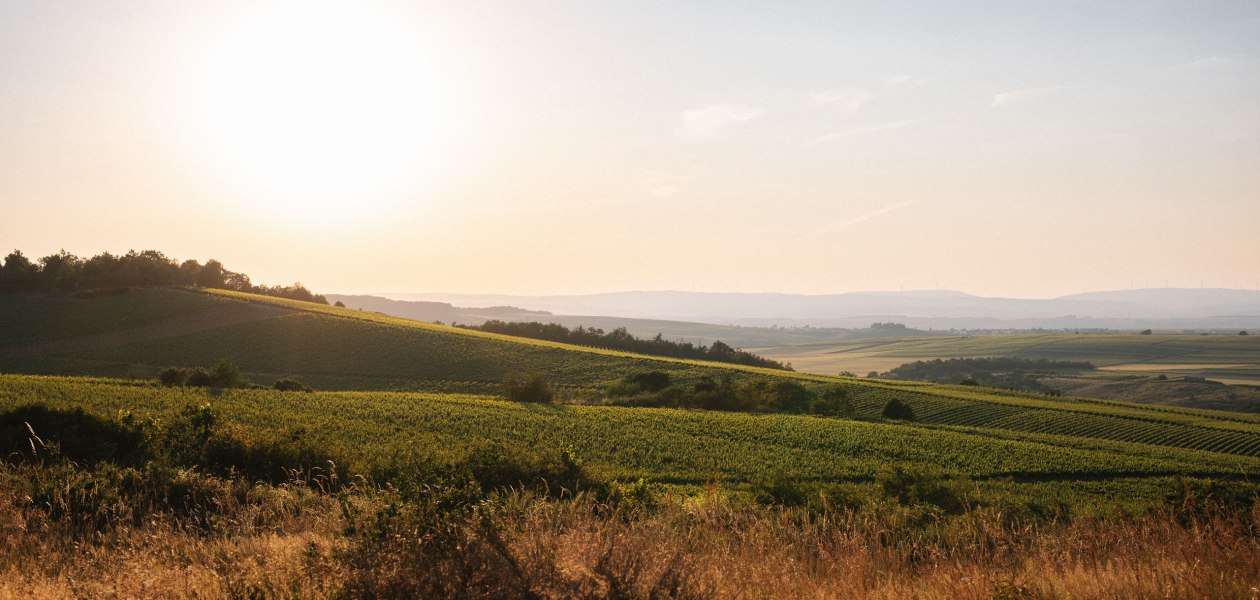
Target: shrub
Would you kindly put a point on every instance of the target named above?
(225, 374)
(896, 409)
(765, 395)
(285, 384)
(495, 466)
(198, 377)
(173, 377)
(651, 381)
(528, 387)
(833, 402)
(42, 433)
(911, 486)
(780, 491)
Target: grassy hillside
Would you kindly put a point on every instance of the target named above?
(340, 349)
(329, 347)
(438, 494)
(365, 430)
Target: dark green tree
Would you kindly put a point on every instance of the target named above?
(528, 387)
(833, 402)
(896, 409)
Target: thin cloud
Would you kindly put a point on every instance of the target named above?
(846, 223)
(849, 100)
(1210, 62)
(1006, 98)
(852, 100)
(705, 122)
(822, 139)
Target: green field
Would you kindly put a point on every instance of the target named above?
(408, 457)
(1230, 358)
(364, 430)
(138, 333)
(330, 348)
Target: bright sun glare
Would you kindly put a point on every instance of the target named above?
(323, 108)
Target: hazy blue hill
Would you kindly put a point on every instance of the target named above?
(1164, 308)
(1182, 301)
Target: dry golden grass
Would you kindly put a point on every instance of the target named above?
(528, 548)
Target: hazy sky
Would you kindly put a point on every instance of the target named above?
(1002, 148)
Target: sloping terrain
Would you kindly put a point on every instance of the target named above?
(145, 330)
(369, 429)
(1233, 357)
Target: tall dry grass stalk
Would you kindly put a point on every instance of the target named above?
(296, 545)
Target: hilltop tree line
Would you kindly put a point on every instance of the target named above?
(67, 273)
(620, 339)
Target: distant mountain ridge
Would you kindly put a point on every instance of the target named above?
(431, 311)
(1158, 307)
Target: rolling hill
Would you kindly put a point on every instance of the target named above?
(1232, 358)
(738, 336)
(940, 309)
(142, 331)
(366, 430)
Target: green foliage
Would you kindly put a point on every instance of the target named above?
(637, 495)
(284, 384)
(620, 339)
(647, 382)
(833, 402)
(224, 375)
(1003, 372)
(38, 432)
(912, 485)
(773, 395)
(896, 409)
(780, 491)
(330, 348)
(1202, 499)
(105, 274)
(528, 387)
(366, 432)
(650, 381)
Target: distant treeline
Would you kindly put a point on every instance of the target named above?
(620, 339)
(1002, 372)
(65, 272)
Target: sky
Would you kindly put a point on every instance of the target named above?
(1021, 149)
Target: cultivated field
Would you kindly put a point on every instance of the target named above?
(339, 349)
(1229, 358)
(364, 432)
(409, 475)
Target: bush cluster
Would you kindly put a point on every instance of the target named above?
(528, 387)
(223, 375)
(1000, 372)
(656, 388)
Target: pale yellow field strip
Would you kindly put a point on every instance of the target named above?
(1176, 366)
